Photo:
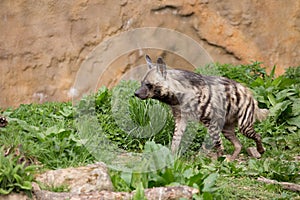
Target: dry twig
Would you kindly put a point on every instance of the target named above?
(286, 185)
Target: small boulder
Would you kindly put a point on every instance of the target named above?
(252, 151)
(90, 178)
(15, 196)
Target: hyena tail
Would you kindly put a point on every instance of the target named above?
(261, 114)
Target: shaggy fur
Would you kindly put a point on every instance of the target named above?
(219, 103)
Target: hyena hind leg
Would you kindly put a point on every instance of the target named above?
(249, 132)
(230, 135)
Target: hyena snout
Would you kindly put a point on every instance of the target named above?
(141, 93)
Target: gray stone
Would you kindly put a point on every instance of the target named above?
(252, 151)
(84, 179)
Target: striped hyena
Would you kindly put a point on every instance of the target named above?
(219, 103)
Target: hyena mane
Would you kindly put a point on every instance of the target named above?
(219, 103)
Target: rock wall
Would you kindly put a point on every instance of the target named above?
(43, 43)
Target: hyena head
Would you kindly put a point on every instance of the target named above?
(155, 85)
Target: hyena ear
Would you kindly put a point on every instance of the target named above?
(161, 67)
(149, 62)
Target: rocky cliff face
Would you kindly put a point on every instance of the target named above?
(44, 43)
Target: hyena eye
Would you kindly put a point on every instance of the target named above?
(149, 85)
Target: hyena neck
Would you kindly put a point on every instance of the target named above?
(176, 87)
(169, 98)
(183, 80)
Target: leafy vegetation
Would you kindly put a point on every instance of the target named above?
(46, 133)
(280, 132)
(14, 176)
(178, 172)
(279, 94)
(51, 138)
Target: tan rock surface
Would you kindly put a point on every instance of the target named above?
(79, 180)
(162, 193)
(92, 182)
(43, 43)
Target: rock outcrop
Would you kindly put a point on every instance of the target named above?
(162, 193)
(92, 182)
(79, 180)
(44, 43)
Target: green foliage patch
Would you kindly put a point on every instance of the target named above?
(15, 176)
(50, 137)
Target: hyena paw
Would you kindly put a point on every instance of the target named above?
(230, 158)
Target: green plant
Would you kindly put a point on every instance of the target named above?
(241, 73)
(139, 193)
(284, 171)
(280, 131)
(280, 94)
(50, 138)
(176, 172)
(128, 121)
(46, 133)
(15, 176)
(52, 188)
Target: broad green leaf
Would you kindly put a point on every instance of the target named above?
(139, 193)
(26, 185)
(197, 178)
(139, 178)
(271, 99)
(207, 196)
(159, 155)
(209, 182)
(294, 121)
(279, 108)
(188, 173)
(157, 180)
(174, 184)
(18, 178)
(54, 130)
(296, 107)
(277, 81)
(31, 168)
(26, 126)
(17, 168)
(253, 164)
(6, 191)
(258, 82)
(286, 82)
(126, 176)
(197, 197)
(283, 94)
(168, 175)
(67, 111)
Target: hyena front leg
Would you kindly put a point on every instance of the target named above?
(180, 125)
(214, 132)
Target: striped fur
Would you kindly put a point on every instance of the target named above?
(219, 103)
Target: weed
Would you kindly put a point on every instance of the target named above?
(175, 172)
(50, 138)
(15, 176)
